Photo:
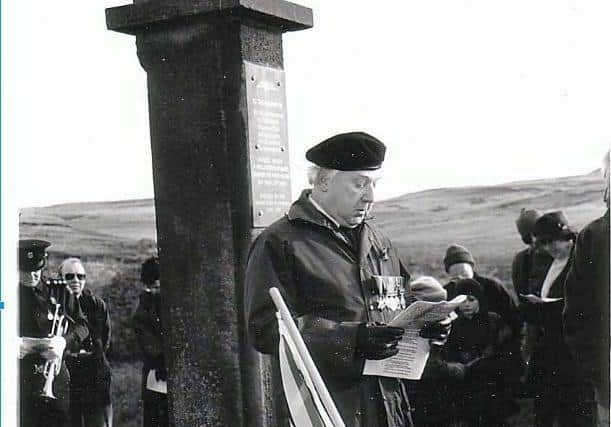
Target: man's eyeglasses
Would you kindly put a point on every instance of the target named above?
(70, 276)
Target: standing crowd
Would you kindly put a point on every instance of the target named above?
(65, 334)
(337, 271)
(548, 342)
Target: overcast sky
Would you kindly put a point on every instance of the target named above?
(462, 93)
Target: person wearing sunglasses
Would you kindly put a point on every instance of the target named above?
(90, 403)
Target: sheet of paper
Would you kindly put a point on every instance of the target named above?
(421, 312)
(414, 350)
(154, 385)
(408, 364)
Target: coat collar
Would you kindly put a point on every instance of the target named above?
(304, 210)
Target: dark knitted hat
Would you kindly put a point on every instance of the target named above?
(457, 254)
(526, 223)
(150, 271)
(32, 254)
(473, 288)
(348, 152)
(468, 287)
(553, 226)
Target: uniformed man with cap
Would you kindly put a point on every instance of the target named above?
(341, 278)
(36, 312)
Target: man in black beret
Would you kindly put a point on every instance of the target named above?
(37, 349)
(340, 277)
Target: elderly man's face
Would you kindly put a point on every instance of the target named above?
(74, 274)
(350, 196)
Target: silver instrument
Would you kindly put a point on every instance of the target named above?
(52, 367)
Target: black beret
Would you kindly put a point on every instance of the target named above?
(32, 254)
(150, 271)
(553, 226)
(348, 152)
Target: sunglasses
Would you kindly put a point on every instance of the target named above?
(70, 276)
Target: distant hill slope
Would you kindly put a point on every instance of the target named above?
(94, 229)
(422, 224)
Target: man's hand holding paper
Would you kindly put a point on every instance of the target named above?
(377, 341)
(423, 322)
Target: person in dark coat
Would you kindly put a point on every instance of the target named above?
(90, 403)
(466, 374)
(460, 264)
(586, 305)
(340, 277)
(37, 302)
(530, 265)
(147, 326)
(528, 271)
(562, 394)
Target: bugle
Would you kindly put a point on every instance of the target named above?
(59, 325)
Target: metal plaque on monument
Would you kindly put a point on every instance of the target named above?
(268, 143)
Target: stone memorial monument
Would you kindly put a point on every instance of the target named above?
(217, 113)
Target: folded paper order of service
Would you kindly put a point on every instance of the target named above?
(153, 384)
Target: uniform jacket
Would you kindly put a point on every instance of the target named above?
(88, 365)
(586, 311)
(34, 309)
(327, 284)
(147, 326)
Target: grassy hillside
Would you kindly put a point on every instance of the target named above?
(106, 236)
(424, 224)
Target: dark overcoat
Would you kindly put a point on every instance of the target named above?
(149, 333)
(88, 366)
(552, 364)
(586, 310)
(327, 284)
(528, 272)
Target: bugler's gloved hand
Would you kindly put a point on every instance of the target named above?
(376, 341)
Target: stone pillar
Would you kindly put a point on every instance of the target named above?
(193, 52)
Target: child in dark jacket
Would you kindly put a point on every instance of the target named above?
(466, 375)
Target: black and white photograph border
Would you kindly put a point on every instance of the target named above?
(131, 126)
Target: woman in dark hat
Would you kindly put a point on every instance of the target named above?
(467, 372)
(560, 392)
